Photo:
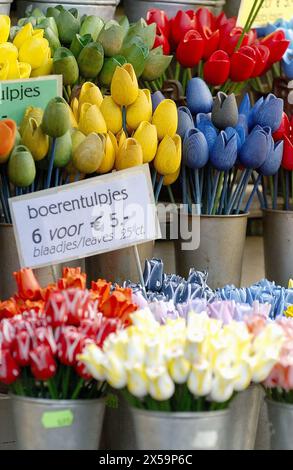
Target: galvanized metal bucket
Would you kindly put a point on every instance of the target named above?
(5, 7)
(136, 9)
(278, 245)
(245, 409)
(103, 8)
(182, 431)
(10, 263)
(221, 249)
(281, 425)
(120, 265)
(7, 431)
(57, 424)
(262, 441)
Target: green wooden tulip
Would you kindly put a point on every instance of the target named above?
(91, 60)
(53, 39)
(109, 67)
(92, 25)
(156, 64)
(146, 32)
(64, 63)
(43, 23)
(63, 150)
(136, 55)
(56, 119)
(35, 12)
(111, 38)
(21, 167)
(124, 23)
(53, 12)
(88, 156)
(78, 43)
(68, 23)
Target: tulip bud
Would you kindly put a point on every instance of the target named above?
(120, 137)
(90, 93)
(4, 28)
(8, 52)
(68, 24)
(178, 366)
(156, 64)
(53, 12)
(146, 135)
(116, 373)
(144, 31)
(225, 111)
(49, 22)
(170, 179)
(35, 140)
(168, 158)
(200, 379)
(19, 70)
(77, 138)
(91, 120)
(136, 54)
(140, 110)
(64, 63)
(195, 149)
(34, 51)
(185, 121)
(108, 161)
(165, 118)
(21, 167)
(111, 38)
(137, 381)
(52, 39)
(92, 25)
(129, 155)
(90, 60)
(56, 119)
(78, 43)
(45, 69)
(198, 96)
(124, 86)
(109, 67)
(161, 386)
(34, 113)
(88, 156)
(63, 150)
(23, 34)
(112, 114)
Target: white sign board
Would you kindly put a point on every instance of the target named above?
(90, 217)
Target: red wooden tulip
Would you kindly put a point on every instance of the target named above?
(217, 69)
(181, 24)
(228, 42)
(242, 64)
(69, 345)
(262, 59)
(190, 49)
(204, 18)
(9, 369)
(287, 161)
(161, 40)
(21, 348)
(284, 129)
(44, 335)
(154, 15)
(277, 44)
(226, 26)
(211, 39)
(221, 19)
(43, 365)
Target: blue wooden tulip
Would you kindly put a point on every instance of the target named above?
(157, 97)
(245, 105)
(225, 111)
(224, 153)
(153, 274)
(242, 127)
(270, 112)
(274, 159)
(255, 149)
(287, 64)
(251, 117)
(195, 149)
(198, 96)
(205, 125)
(230, 131)
(185, 121)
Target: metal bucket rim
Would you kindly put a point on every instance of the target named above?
(180, 415)
(216, 217)
(45, 401)
(276, 211)
(192, 3)
(278, 404)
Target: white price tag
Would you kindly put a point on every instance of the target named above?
(82, 219)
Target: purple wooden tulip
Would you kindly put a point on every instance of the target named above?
(224, 153)
(225, 111)
(195, 149)
(270, 112)
(274, 159)
(205, 125)
(185, 121)
(198, 96)
(254, 151)
(157, 97)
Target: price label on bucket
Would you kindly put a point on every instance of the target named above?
(57, 419)
(90, 217)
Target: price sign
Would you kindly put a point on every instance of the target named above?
(57, 419)
(270, 11)
(98, 215)
(17, 95)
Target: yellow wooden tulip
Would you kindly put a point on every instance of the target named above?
(146, 135)
(170, 179)
(4, 28)
(45, 69)
(8, 51)
(108, 161)
(24, 70)
(88, 156)
(140, 110)
(74, 106)
(114, 142)
(77, 138)
(124, 86)
(121, 137)
(34, 51)
(112, 114)
(23, 34)
(168, 158)
(4, 70)
(165, 119)
(30, 112)
(129, 155)
(35, 140)
(91, 120)
(73, 121)
(18, 70)
(90, 93)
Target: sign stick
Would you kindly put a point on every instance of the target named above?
(54, 272)
(139, 269)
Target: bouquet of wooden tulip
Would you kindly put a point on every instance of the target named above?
(88, 48)
(196, 365)
(47, 329)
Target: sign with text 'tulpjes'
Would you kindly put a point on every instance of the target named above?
(90, 217)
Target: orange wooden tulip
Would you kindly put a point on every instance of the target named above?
(7, 138)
